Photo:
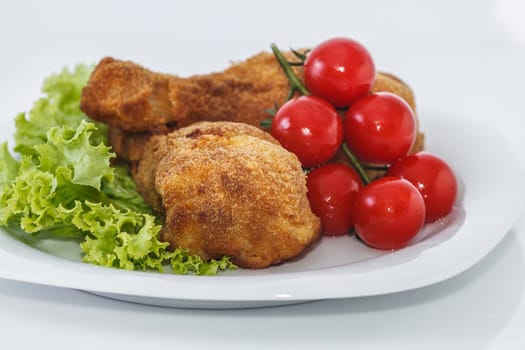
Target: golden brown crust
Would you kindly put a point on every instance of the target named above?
(232, 194)
(130, 97)
(159, 146)
(127, 145)
(242, 93)
(144, 171)
(127, 96)
(222, 128)
(241, 197)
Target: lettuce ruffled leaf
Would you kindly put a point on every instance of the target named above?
(60, 106)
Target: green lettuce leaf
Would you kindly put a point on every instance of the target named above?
(8, 165)
(122, 192)
(59, 107)
(67, 148)
(127, 240)
(63, 186)
(182, 262)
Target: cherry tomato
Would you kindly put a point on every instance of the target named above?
(340, 71)
(388, 213)
(331, 191)
(380, 128)
(433, 177)
(309, 127)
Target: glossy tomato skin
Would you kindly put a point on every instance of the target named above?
(339, 70)
(388, 213)
(309, 127)
(380, 128)
(433, 177)
(331, 191)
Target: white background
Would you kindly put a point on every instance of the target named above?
(462, 58)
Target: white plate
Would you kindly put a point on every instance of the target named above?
(491, 198)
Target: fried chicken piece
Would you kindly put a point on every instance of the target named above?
(242, 93)
(158, 146)
(129, 97)
(128, 146)
(236, 194)
(136, 100)
(144, 171)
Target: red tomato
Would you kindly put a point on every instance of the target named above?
(309, 127)
(433, 177)
(331, 191)
(388, 213)
(340, 71)
(380, 128)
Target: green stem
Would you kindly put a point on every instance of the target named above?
(266, 123)
(295, 82)
(375, 167)
(356, 164)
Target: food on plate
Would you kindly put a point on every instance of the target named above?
(130, 97)
(323, 124)
(379, 135)
(245, 167)
(228, 189)
(331, 191)
(380, 128)
(339, 70)
(141, 106)
(433, 177)
(389, 83)
(388, 213)
(386, 82)
(128, 146)
(136, 102)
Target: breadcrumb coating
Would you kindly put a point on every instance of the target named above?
(159, 146)
(229, 189)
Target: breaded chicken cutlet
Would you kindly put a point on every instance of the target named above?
(228, 189)
(158, 146)
(137, 103)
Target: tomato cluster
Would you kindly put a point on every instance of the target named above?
(379, 128)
